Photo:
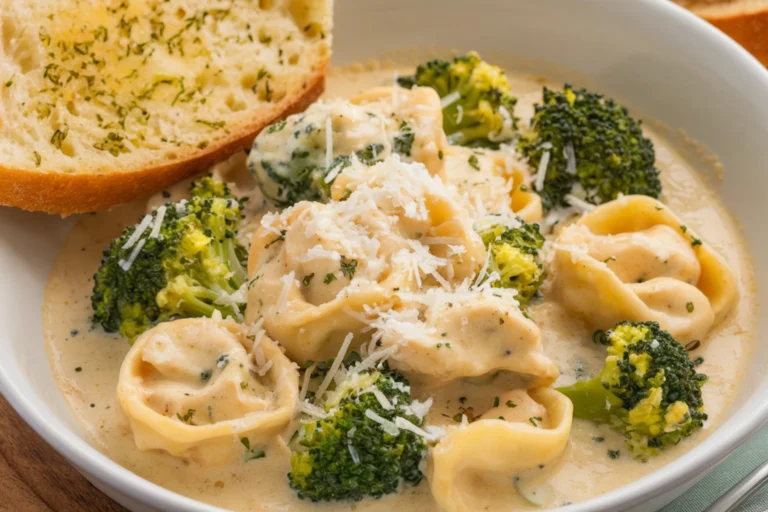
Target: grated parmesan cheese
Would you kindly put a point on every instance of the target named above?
(334, 367)
(449, 99)
(353, 452)
(311, 410)
(570, 159)
(388, 426)
(264, 369)
(126, 264)
(287, 281)
(305, 382)
(373, 359)
(580, 204)
(541, 174)
(140, 229)
(420, 409)
(407, 425)
(158, 222)
(382, 399)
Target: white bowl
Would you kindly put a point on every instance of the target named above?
(660, 59)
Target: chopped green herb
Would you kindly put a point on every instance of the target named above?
(205, 375)
(278, 239)
(689, 307)
(59, 135)
(79, 369)
(404, 140)
(696, 242)
(523, 188)
(222, 361)
(187, 418)
(599, 337)
(307, 279)
(74, 332)
(211, 124)
(329, 277)
(614, 454)
(473, 162)
(684, 229)
(598, 439)
(534, 420)
(276, 127)
(496, 401)
(440, 154)
(251, 454)
(348, 267)
(511, 404)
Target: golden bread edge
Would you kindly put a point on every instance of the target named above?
(750, 30)
(747, 25)
(70, 193)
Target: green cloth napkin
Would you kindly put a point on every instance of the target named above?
(738, 465)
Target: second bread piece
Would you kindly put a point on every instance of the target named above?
(103, 102)
(746, 21)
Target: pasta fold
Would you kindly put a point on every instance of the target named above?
(438, 337)
(321, 271)
(196, 388)
(527, 429)
(633, 259)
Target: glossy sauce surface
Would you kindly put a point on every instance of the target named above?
(86, 361)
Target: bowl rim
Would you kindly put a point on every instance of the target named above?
(686, 469)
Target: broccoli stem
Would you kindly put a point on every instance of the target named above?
(194, 302)
(239, 274)
(591, 401)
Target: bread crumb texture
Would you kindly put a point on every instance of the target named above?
(124, 85)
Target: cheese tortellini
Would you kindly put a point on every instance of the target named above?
(419, 108)
(491, 182)
(527, 429)
(632, 259)
(196, 388)
(297, 158)
(317, 269)
(438, 337)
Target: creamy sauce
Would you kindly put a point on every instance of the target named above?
(86, 362)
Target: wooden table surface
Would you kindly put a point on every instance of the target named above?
(34, 478)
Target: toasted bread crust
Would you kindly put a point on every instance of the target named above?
(749, 29)
(66, 194)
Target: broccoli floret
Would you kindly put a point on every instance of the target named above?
(477, 102)
(648, 390)
(192, 263)
(514, 257)
(591, 141)
(347, 455)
